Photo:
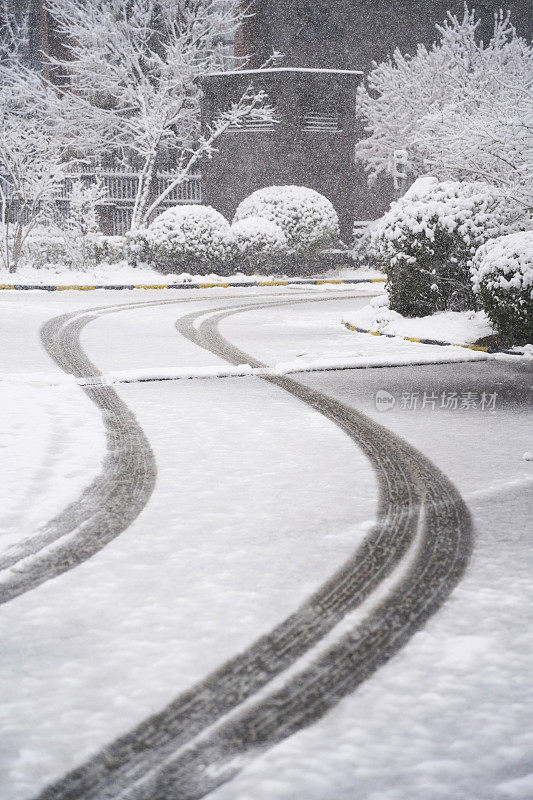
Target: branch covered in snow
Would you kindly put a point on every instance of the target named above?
(134, 71)
(33, 153)
(461, 110)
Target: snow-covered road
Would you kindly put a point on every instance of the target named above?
(183, 588)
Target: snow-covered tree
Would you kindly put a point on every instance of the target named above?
(33, 152)
(134, 70)
(462, 109)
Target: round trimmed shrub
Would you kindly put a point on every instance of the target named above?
(192, 238)
(306, 217)
(426, 241)
(258, 243)
(502, 276)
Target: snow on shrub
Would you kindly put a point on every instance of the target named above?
(254, 235)
(502, 276)
(194, 237)
(363, 252)
(306, 217)
(107, 249)
(56, 246)
(426, 241)
(257, 242)
(47, 247)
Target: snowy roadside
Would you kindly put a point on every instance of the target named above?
(122, 274)
(308, 339)
(458, 327)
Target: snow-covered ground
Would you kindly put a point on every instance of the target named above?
(451, 715)
(457, 327)
(258, 497)
(52, 445)
(299, 337)
(123, 274)
(51, 437)
(243, 510)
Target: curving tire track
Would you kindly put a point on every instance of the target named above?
(150, 763)
(110, 503)
(116, 497)
(440, 562)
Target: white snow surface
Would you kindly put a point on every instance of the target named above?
(258, 499)
(122, 274)
(184, 588)
(451, 715)
(456, 327)
(304, 338)
(52, 443)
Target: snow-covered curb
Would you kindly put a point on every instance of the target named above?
(456, 327)
(453, 328)
(437, 342)
(294, 282)
(243, 370)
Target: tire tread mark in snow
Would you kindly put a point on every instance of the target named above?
(114, 499)
(142, 766)
(27, 564)
(439, 565)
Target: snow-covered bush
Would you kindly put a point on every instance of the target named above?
(184, 238)
(46, 246)
(363, 251)
(108, 249)
(502, 276)
(258, 243)
(254, 235)
(426, 241)
(306, 217)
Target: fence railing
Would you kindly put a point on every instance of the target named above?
(120, 186)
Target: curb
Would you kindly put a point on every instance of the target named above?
(242, 371)
(247, 284)
(476, 347)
